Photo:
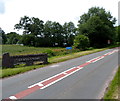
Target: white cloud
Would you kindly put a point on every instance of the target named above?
(54, 10)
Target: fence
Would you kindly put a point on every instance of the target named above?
(10, 61)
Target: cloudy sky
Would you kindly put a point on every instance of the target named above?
(54, 10)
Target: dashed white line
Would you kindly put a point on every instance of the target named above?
(65, 73)
(92, 59)
(98, 59)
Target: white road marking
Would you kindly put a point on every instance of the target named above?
(12, 98)
(98, 59)
(65, 73)
(59, 79)
(39, 84)
(48, 79)
(54, 65)
(79, 67)
(106, 53)
(53, 77)
(92, 59)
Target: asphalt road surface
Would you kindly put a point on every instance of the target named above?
(85, 77)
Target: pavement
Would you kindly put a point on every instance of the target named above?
(85, 77)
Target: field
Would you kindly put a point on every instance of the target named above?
(24, 50)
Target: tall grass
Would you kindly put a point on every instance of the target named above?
(24, 50)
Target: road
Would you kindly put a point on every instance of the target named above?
(85, 77)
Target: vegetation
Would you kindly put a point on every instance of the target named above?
(13, 38)
(50, 34)
(114, 87)
(118, 33)
(25, 50)
(97, 25)
(81, 42)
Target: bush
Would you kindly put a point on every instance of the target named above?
(81, 42)
(49, 52)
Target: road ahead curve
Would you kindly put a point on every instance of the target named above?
(80, 78)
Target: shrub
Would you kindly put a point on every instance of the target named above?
(81, 42)
(49, 52)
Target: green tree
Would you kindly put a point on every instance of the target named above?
(57, 34)
(53, 34)
(33, 30)
(69, 31)
(98, 24)
(13, 38)
(3, 37)
(48, 34)
(28, 40)
(81, 42)
(32, 26)
(118, 33)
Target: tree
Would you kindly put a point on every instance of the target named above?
(53, 34)
(69, 32)
(28, 40)
(81, 42)
(48, 34)
(33, 29)
(13, 38)
(32, 26)
(2, 36)
(98, 24)
(57, 34)
(118, 33)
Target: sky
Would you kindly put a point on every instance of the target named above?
(54, 10)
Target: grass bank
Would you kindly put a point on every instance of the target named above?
(25, 50)
(21, 69)
(113, 90)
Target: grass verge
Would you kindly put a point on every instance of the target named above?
(21, 69)
(113, 90)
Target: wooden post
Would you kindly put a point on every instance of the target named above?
(45, 58)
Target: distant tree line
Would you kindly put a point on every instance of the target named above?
(36, 33)
(95, 29)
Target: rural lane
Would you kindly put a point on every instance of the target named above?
(81, 78)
